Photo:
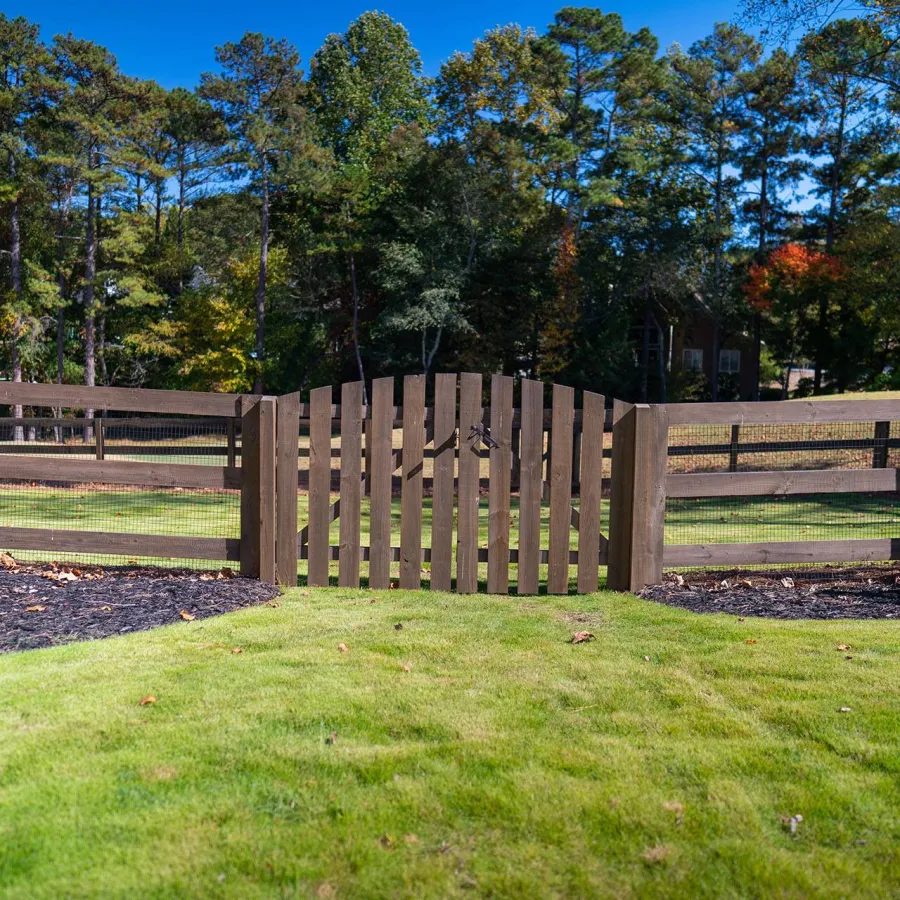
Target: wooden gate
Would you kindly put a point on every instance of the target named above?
(454, 450)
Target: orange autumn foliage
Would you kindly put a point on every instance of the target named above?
(791, 269)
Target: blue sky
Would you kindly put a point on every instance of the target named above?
(172, 41)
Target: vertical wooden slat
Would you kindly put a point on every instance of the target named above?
(351, 487)
(381, 432)
(267, 500)
(99, 439)
(591, 481)
(880, 451)
(733, 448)
(367, 453)
(319, 484)
(288, 430)
(530, 486)
(249, 489)
(619, 408)
(560, 488)
(231, 452)
(576, 460)
(442, 497)
(499, 490)
(638, 502)
(470, 413)
(411, 490)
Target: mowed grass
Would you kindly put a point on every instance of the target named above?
(474, 752)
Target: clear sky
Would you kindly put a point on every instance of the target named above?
(172, 41)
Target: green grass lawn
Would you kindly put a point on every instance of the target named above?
(477, 753)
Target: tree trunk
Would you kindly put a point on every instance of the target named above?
(157, 224)
(182, 177)
(90, 273)
(355, 291)
(15, 241)
(261, 283)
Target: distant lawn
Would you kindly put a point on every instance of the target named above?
(657, 761)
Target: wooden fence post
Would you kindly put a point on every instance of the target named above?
(880, 450)
(286, 446)
(733, 448)
(638, 498)
(258, 490)
(99, 439)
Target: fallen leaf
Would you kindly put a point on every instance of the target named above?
(398, 626)
(273, 604)
(387, 842)
(581, 637)
(407, 667)
(238, 650)
(673, 806)
(750, 641)
(227, 573)
(787, 582)
(148, 700)
(106, 609)
(678, 579)
(844, 647)
(846, 709)
(740, 618)
(647, 658)
(343, 647)
(7, 561)
(186, 616)
(411, 839)
(658, 854)
(35, 608)
(331, 739)
(791, 822)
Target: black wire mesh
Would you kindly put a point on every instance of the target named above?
(67, 505)
(782, 448)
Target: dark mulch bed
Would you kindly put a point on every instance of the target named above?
(41, 606)
(869, 593)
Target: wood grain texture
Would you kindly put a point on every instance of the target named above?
(772, 552)
(560, 489)
(621, 502)
(591, 482)
(778, 411)
(442, 494)
(649, 495)
(470, 413)
(287, 442)
(411, 492)
(250, 491)
(266, 526)
(530, 486)
(380, 482)
(784, 483)
(68, 396)
(110, 543)
(500, 457)
(319, 484)
(351, 484)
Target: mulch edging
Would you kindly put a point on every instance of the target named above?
(869, 593)
(43, 606)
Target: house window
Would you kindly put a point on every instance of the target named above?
(730, 361)
(692, 360)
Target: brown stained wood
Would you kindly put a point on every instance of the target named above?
(880, 450)
(98, 438)
(530, 486)
(319, 485)
(380, 482)
(351, 486)
(779, 411)
(734, 448)
(560, 489)
(619, 408)
(287, 442)
(442, 496)
(266, 527)
(649, 495)
(470, 414)
(250, 491)
(500, 474)
(621, 502)
(68, 396)
(365, 553)
(136, 545)
(411, 491)
(148, 474)
(763, 484)
(231, 443)
(776, 552)
(591, 481)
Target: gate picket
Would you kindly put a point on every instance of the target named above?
(411, 491)
(470, 414)
(319, 484)
(381, 432)
(563, 419)
(530, 486)
(500, 473)
(591, 482)
(442, 495)
(351, 483)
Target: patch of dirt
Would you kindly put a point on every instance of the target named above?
(589, 620)
(42, 606)
(870, 593)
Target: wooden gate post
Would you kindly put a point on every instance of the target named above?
(258, 489)
(286, 447)
(638, 498)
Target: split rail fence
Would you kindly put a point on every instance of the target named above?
(366, 476)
